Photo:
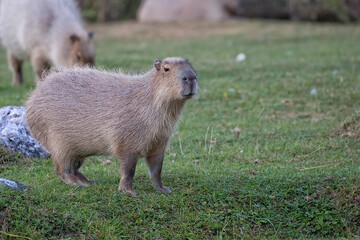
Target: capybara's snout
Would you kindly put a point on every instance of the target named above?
(189, 82)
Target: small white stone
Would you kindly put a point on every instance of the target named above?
(12, 184)
(240, 57)
(313, 91)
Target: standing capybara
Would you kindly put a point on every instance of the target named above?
(83, 112)
(48, 32)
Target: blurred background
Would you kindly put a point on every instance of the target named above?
(343, 11)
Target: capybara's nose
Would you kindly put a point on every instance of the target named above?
(190, 79)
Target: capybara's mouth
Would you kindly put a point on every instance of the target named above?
(188, 96)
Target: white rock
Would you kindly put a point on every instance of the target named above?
(181, 11)
(16, 136)
(313, 91)
(240, 57)
(12, 184)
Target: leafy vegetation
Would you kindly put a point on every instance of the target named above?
(253, 157)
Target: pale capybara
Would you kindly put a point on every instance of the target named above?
(76, 113)
(48, 32)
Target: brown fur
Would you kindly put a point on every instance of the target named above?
(83, 112)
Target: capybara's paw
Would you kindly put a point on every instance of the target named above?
(17, 80)
(128, 191)
(71, 179)
(164, 190)
(83, 179)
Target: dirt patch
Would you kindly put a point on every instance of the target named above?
(349, 201)
(349, 198)
(251, 29)
(355, 197)
(133, 29)
(4, 216)
(349, 128)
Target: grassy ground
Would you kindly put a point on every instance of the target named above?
(253, 157)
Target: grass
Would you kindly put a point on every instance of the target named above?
(253, 156)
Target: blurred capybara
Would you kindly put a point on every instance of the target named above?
(48, 32)
(76, 113)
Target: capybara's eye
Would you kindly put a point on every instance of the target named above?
(166, 69)
(78, 57)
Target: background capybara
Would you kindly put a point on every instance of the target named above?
(48, 32)
(83, 112)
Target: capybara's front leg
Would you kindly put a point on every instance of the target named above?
(155, 163)
(15, 67)
(39, 64)
(127, 170)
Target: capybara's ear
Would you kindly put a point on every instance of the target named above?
(74, 38)
(91, 35)
(157, 64)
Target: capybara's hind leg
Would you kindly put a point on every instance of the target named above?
(66, 169)
(77, 164)
(127, 170)
(155, 163)
(15, 67)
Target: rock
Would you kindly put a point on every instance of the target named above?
(12, 184)
(313, 91)
(240, 57)
(182, 10)
(16, 136)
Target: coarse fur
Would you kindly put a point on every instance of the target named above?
(76, 113)
(46, 32)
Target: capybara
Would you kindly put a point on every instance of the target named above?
(76, 113)
(48, 32)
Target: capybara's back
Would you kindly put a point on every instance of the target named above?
(76, 113)
(64, 112)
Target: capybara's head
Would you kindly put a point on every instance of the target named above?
(177, 78)
(82, 50)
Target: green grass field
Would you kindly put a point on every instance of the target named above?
(253, 156)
